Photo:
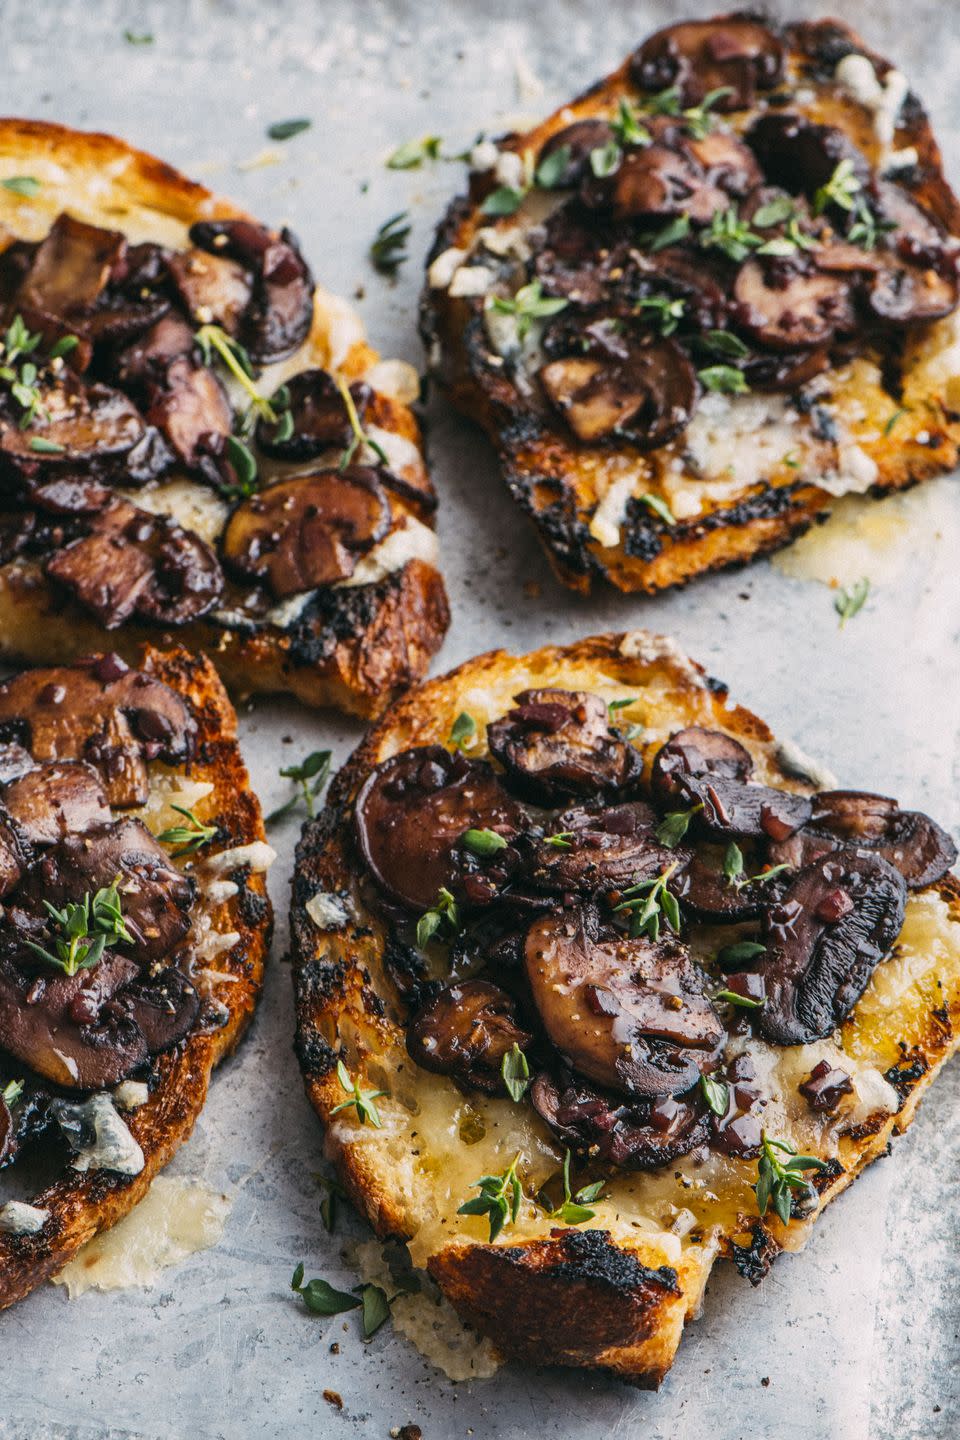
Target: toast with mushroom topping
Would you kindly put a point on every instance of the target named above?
(134, 924)
(705, 299)
(595, 986)
(196, 440)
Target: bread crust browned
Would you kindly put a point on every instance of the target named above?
(361, 647)
(558, 483)
(580, 1297)
(83, 1204)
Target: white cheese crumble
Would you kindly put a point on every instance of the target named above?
(884, 99)
(131, 1094)
(258, 855)
(397, 379)
(327, 911)
(112, 1147)
(19, 1218)
(412, 540)
(484, 156)
(856, 471)
(509, 170)
(446, 265)
(797, 762)
(612, 511)
(472, 280)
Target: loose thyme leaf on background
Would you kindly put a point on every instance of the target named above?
(388, 247)
(316, 769)
(851, 601)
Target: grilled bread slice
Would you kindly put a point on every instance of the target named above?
(125, 466)
(610, 1286)
(704, 299)
(121, 1134)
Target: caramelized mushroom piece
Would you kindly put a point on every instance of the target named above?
(70, 268)
(909, 840)
(558, 743)
(464, 1032)
(309, 530)
(318, 415)
(703, 55)
(65, 494)
(103, 712)
(193, 413)
(697, 752)
(905, 294)
(163, 1007)
(212, 287)
(645, 397)
(630, 1015)
(785, 372)
(799, 155)
(579, 141)
(825, 1087)
(411, 815)
(598, 847)
(635, 1135)
(788, 304)
(833, 925)
(280, 313)
(15, 852)
(675, 175)
(705, 889)
(59, 798)
(709, 769)
(83, 425)
(148, 359)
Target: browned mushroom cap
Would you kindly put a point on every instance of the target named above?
(81, 423)
(696, 752)
(905, 294)
(155, 896)
(909, 840)
(788, 304)
(148, 359)
(558, 743)
(687, 276)
(70, 268)
(465, 1031)
(636, 1135)
(318, 415)
(833, 925)
(628, 1014)
(786, 371)
(700, 56)
(307, 531)
(59, 798)
(103, 712)
(280, 313)
(709, 769)
(65, 1028)
(133, 562)
(163, 1007)
(579, 141)
(646, 397)
(675, 175)
(212, 287)
(411, 815)
(598, 847)
(700, 883)
(800, 155)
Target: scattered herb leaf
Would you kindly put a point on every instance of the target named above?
(286, 129)
(550, 172)
(11, 1092)
(441, 917)
(483, 842)
(376, 1308)
(527, 305)
(658, 506)
(499, 1199)
(574, 1209)
(516, 1073)
(716, 1093)
(646, 902)
(364, 1100)
(505, 200)
(841, 189)
(412, 153)
(310, 775)
(24, 185)
(850, 602)
(744, 1001)
(84, 928)
(740, 953)
(463, 729)
(138, 37)
(778, 1179)
(674, 826)
(320, 1297)
(388, 247)
(666, 312)
(191, 837)
(560, 841)
(724, 379)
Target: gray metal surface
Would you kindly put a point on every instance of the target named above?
(858, 1336)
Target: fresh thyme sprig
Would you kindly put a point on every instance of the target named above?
(364, 1100)
(22, 375)
(320, 1297)
(191, 837)
(11, 1093)
(482, 842)
(443, 917)
(360, 436)
(574, 1209)
(527, 305)
(310, 776)
(213, 340)
(778, 1179)
(515, 1073)
(463, 729)
(841, 189)
(674, 825)
(388, 247)
(850, 602)
(646, 902)
(733, 869)
(663, 310)
(499, 1199)
(84, 929)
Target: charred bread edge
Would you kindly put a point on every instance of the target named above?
(82, 1205)
(355, 648)
(728, 536)
(577, 1298)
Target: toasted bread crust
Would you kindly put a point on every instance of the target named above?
(571, 1297)
(558, 484)
(81, 1205)
(358, 647)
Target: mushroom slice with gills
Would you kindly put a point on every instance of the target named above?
(164, 1007)
(186, 581)
(410, 818)
(66, 1027)
(736, 53)
(103, 712)
(81, 425)
(464, 1032)
(578, 142)
(70, 268)
(686, 276)
(307, 531)
(559, 743)
(629, 1014)
(192, 412)
(800, 155)
(213, 287)
(786, 303)
(59, 798)
(824, 938)
(909, 840)
(647, 397)
(633, 1135)
(155, 897)
(710, 770)
(280, 313)
(601, 847)
(318, 415)
(695, 752)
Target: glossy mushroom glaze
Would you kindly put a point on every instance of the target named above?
(606, 943)
(98, 969)
(127, 366)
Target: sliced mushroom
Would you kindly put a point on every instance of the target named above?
(59, 798)
(834, 924)
(558, 743)
(103, 712)
(318, 416)
(15, 852)
(599, 847)
(675, 175)
(630, 1015)
(634, 1135)
(578, 141)
(70, 268)
(193, 413)
(710, 770)
(904, 294)
(465, 1031)
(163, 1007)
(280, 313)
(212, 287)
(155, 896)
(81, 424)
(788, 304)
(646, 397)
(787, 371)
(800, 155)
(411, 815)
(700, 883)
(703, 55)
(909, 840)
(148, 359)
(309, 530)
(65, 494)
(687, 276)
(697, 752)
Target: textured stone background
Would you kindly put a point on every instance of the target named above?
(858, 1337)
